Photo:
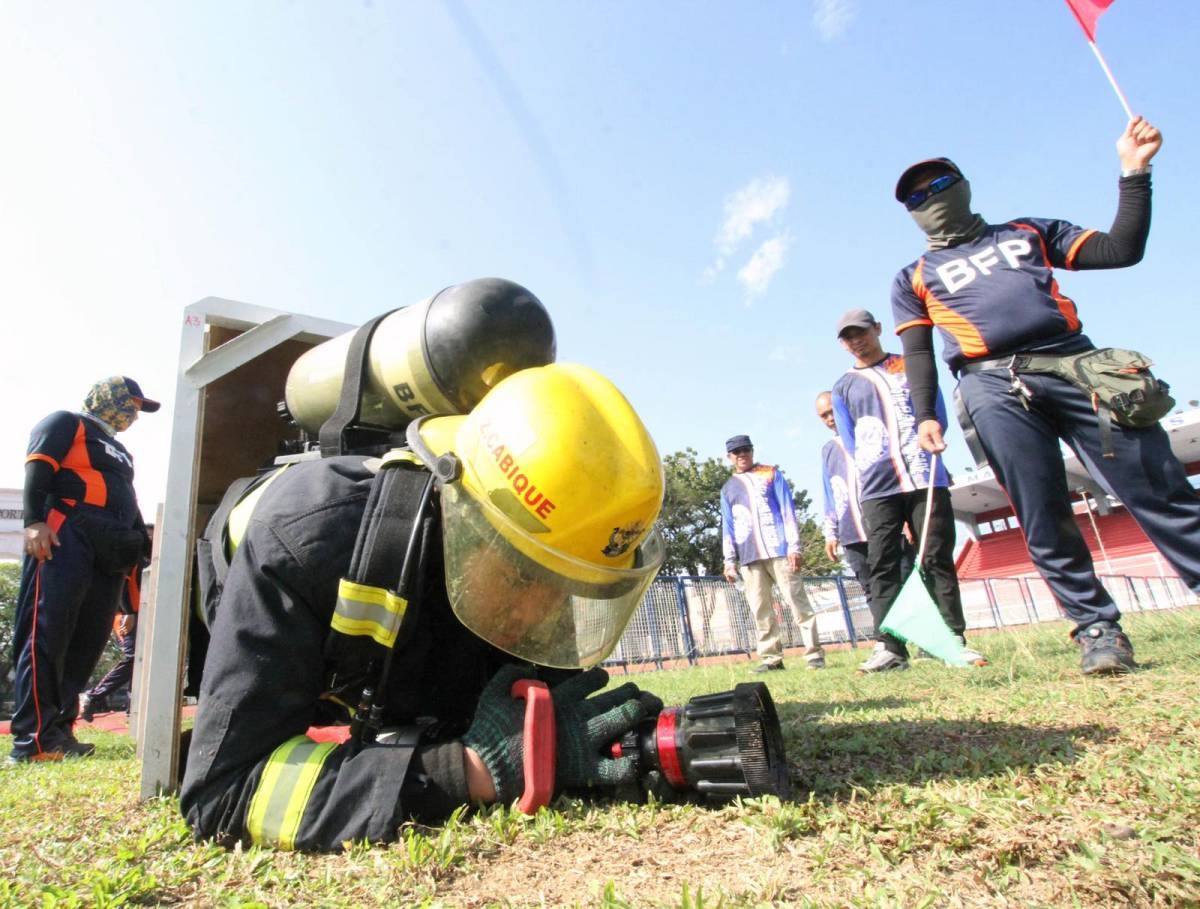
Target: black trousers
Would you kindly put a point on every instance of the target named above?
(856, 555)
(64, 612)
(856, 558)
(120, 677)
(885, 518)
(1022, 445)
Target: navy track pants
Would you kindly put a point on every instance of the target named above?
(64, 614)
(1022, 446)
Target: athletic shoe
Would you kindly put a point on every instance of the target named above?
(970, 654)
(768, 667)
(815, 663)
(1104, 650)
(88, 707)
(883, 660)
(65, 752)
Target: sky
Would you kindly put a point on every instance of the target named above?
(695, 190)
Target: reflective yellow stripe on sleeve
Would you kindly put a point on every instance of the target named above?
(365, 611)
(284, 789)
(239, 516)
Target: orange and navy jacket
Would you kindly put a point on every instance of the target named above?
(90, 467)
(997, 294)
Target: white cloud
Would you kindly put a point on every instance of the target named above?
(755, 276)
(787, 353)
(755, 203)
(832, 18)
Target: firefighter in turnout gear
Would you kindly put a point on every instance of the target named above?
(404, 596)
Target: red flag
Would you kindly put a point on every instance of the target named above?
(1087, 12)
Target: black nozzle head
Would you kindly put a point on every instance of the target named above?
(760, 741)
(719, 746)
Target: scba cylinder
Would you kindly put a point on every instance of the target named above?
(441, 355)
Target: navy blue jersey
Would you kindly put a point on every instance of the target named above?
(89, 466)
(994, 295)
(877, 424)
(842, 520)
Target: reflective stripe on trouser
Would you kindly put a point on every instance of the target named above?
(64, 613)
(1023, 448)
(759, 577)
(284, 788)
(365, 611)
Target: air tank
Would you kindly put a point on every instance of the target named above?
(441, 355)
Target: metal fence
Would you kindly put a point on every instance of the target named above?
(687, 618)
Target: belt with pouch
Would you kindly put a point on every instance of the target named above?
(1015, 363)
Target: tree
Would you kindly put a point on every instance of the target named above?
(10, 583)
(691, 518)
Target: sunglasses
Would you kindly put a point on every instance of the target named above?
(938, 184)
(742, 451)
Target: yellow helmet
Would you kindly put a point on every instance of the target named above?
(549, 533)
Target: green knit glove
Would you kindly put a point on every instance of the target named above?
(497, 732)
(588, 726)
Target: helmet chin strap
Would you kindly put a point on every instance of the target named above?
(446, 468)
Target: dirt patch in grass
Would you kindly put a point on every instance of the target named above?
(650, 865)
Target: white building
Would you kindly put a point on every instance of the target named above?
(11, 525)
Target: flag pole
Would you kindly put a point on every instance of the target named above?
(1111, 81)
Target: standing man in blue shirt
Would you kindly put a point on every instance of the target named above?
(759, 534)
(991, 292)
(843, 524)
(874, 416)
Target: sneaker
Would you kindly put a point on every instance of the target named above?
(21, 757)
(65, 752)
(1104, 650)
(883, 660)
(816, 663)
(970, 654)
(768, 667)
(87, 707)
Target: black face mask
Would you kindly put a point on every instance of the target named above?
(946, 218)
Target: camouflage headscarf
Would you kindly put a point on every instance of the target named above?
(111, 403)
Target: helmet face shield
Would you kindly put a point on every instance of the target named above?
(534, 602)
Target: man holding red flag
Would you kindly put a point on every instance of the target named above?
(991, 291)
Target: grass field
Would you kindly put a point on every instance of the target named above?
(1019, 784)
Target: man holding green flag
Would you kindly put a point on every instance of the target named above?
(876, 420)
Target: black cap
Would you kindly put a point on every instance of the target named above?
(733, 443)
(928, 164)
(135, 391)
